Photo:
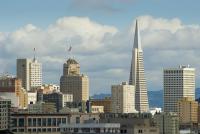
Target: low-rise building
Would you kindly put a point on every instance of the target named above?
(11, 88)
(35, 123)
(90, 128)
(58, 98)
(132, 123)
(168, 123)
(97, 109)
(5, 110)
(32, 97)
(106, 103)
(82, 107)
(42, 107)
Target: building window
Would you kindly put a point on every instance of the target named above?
(49, 121)
(140, 131)
(21, 122)
(39, 122)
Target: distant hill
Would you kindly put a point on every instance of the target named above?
(155, 97)
(100, 96)
(197, 93)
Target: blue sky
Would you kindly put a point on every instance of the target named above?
(101, 35)
(116, 12)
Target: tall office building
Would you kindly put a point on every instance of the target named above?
(178, 83)
(30, 72)
(72, 82)
(123, 98)
(137, 76)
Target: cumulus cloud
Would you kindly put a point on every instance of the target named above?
(104, 52)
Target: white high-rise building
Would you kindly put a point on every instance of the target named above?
(137, 75)
(35, 74)
(123, 98)
(30, 72)
(178, 83)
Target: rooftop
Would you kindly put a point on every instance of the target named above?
(71, 61)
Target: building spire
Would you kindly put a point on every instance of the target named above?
(137, 39)
(137, 75)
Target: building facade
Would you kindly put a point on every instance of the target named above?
(137, 75)
(168, 123)
(178, 83)
(97, 109)
(106, 103)
(30, 72)
(123, 98)
(132, 123)
(5, 111)
(35, 123)
(90, 128)
(58, 98)
(11, 88)
(72, 82)
(187, 111)
(42, 107)
(32, 97)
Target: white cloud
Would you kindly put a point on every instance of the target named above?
(103, 51)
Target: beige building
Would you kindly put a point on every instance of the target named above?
(49, 88)
(97, 109)
(42, 107)
(72, 82)
(30, 72)
(187, 111)
(123, 97)
(11, 88)
(178, 83)
(23, 98)
(106, 103)
(168, 123)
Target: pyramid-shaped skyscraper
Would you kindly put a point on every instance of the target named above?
(137, 75)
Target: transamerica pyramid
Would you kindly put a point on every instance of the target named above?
(137, 75)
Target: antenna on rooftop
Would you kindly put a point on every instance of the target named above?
(34, 53)
(69, 49)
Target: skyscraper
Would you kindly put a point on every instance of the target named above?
(178, 83)
(35, 74)
(30, 72)
(72, 82)
(137, 76)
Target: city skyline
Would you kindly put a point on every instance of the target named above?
(162, 35)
